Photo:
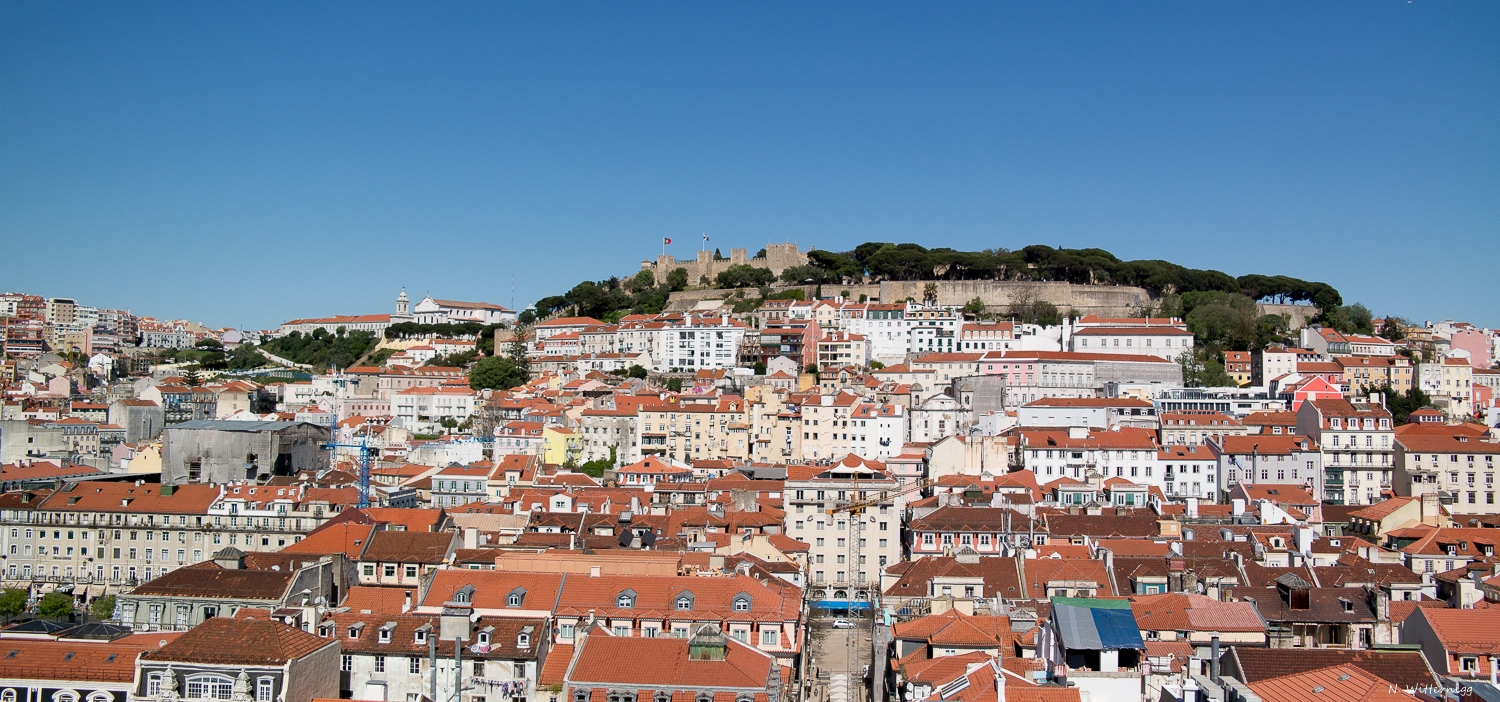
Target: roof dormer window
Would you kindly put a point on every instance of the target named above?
(355, 628)
(742, 603)
(626, 600)
(464, 595)
(684, 602)
(516, 597)
(385, 632)
(421, 634)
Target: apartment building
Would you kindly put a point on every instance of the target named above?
(1450, 384)
(1459, 467)
(1270, 459)
(1078, 453)
(1357, 441)
(847, 552)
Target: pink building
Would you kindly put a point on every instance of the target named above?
(1477, 342)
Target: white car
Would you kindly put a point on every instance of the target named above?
(843, 624)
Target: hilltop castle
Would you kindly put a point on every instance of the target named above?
(778, 258)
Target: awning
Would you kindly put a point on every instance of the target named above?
(1096, 625)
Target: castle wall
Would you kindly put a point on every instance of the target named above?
(778, 258)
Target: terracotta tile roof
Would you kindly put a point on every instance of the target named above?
(234, 641)
(410, 547)
(378, 600)
(1343, 683)
(977, 519)
(605, 661)
(558, 660)
(1040, 571)
(113, 661)
(957, 629)
(1001, 575)
(349, 538)
(1407, 669)
(1465, 630)
(135, 499)
(209, 580)
(1192, 612)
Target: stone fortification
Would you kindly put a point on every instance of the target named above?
(778, 258)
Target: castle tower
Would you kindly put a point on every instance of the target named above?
(402, 303)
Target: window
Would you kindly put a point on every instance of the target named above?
(742, 604)
(347, 664)
(265, 690)
(626, 600)
(768, 637)
(684, 602)
(515, 598)
(414, 665)
(380, 664)
(215, 687)
(153, 688)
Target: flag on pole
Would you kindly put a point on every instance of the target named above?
(705, 237)
(665, 241)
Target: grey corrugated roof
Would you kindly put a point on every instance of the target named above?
(231, 425)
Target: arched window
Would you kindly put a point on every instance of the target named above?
(100, 697)
(580, 696)
(209, 687)
(625, 600)
(742, 604)
(705, 697)
(10, 695)
(684, 602)
(65, 696)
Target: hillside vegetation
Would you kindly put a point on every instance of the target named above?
(609, 299)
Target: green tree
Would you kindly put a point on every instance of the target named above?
(55, 604)
(1401, 404)
(636, 371)
(876, 365)
(974, 306)
(759, 368)
(527, 317)
(1394, 328)
(103, 607)
(643, 280)
(677, 279)
(12, 601)
(192, 377)
(495, 373)
(674, 384)
(516, 350)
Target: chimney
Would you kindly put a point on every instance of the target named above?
(1237, 507)
(1192, 507)
(407, 606)
(1305, 538)
(593, 573)
(1429, 514)
(1213, 660)
(471, 537)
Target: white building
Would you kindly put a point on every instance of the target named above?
(836, 571)
(432, 311)
(422, 409)
(1358, 448)
(877, 431)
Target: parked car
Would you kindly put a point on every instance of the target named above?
(843, 624)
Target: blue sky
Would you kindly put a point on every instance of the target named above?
(246, 163)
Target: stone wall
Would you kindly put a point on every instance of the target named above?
(1300, 314)
(778, 258)
(998, 296)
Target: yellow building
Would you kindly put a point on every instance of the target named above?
(147, 460)
(560, 443)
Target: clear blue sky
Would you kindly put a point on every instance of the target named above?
(246, 163)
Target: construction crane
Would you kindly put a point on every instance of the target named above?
(362, 467)
(855, 508)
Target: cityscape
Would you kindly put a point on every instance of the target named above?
(716, 353)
